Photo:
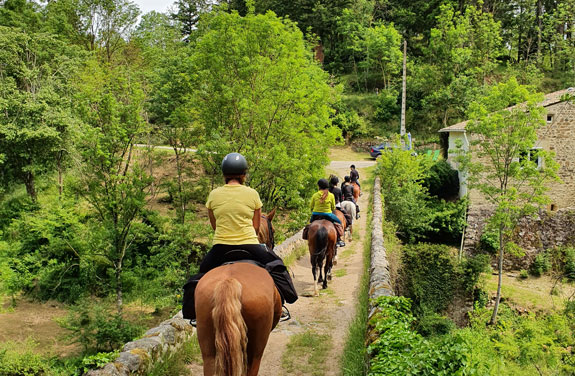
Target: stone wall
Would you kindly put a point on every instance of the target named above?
(534, 234)
(139, 357)
(379, 277)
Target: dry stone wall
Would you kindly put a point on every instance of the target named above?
(534, 234)
(379, 276)
(157, 344)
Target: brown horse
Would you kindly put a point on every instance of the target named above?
(266, 231)
(321, 241)
(237, 307)
(356, 191)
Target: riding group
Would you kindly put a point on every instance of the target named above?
(236, 299)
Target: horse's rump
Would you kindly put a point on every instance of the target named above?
(237, 307)
(349, 207)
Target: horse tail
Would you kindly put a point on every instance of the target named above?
(321, 237)
(230, 329)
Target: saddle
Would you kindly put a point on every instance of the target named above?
(338, 228)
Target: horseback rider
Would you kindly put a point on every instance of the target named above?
(333, 181)
(354, 175)
(235, 213)
(347, 192)
(322, 205)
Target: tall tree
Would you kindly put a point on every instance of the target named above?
(188, 14)
(109, 177)
(258, 91)
(35, 104)
(503, 165)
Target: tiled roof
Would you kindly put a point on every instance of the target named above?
(548, 100)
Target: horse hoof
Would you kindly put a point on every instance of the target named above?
(334, 262)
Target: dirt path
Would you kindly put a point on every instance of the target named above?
(330, 313)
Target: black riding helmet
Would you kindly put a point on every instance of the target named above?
(347, 179)
(234, 164)
(322, 184)
(334, 181)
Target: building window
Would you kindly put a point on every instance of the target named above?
(549, 118)
(531, 155)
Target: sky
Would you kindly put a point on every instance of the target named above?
(157, 5)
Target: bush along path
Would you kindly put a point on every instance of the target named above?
(312, 342)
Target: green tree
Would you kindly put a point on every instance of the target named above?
(35, 105)
(403, 192)
(110, 178)
(502, 164)
(383, 51)
(258, 91)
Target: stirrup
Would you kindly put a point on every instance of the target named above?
(285, 314)
(193, 322)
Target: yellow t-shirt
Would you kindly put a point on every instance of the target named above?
(233, 207)
(327, 206)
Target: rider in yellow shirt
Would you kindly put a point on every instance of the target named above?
(235, 213)
(322, 205)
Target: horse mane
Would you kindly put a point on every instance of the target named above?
(230, 329)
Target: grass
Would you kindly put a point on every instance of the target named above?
(297, 253)
(176, 365)
(354, 359)
(345, 153)
(306, 353)
(533, 293)
(340, 273)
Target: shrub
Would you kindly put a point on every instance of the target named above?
(489, 241)
(431, 324)
(19, 359)
(442, 180)
(431, 276)
(97, 329)
(523, 274)
(399, 350)
(448, 220)
(98, 360)
(541, 264)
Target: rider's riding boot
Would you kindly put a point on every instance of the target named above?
(340, 243)
(285, 314)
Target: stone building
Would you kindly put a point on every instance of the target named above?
(558, 136)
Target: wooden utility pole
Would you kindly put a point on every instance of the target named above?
(402, 123)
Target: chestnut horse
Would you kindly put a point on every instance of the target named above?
(237, 306)
(266, 231)
(321, 241)
(356, 191)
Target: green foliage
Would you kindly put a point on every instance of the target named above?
(399, 350)
(541, 264)
(520, 344)
(383, 50)
(523, 274)
(431, 277)
(19, 359)
(98, 360)
(35, 106)
(448, 220)
(403, 192)
(96, 329)
(489, 241)
(442, 180)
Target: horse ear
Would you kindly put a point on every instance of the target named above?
(271, 214)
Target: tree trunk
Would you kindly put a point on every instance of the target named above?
(60, 183)
(119, 302)
(182, 202)
(539, 26)
(493, 320)
(30, 185)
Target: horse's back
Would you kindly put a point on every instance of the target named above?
(258, 295)
(349, 207)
